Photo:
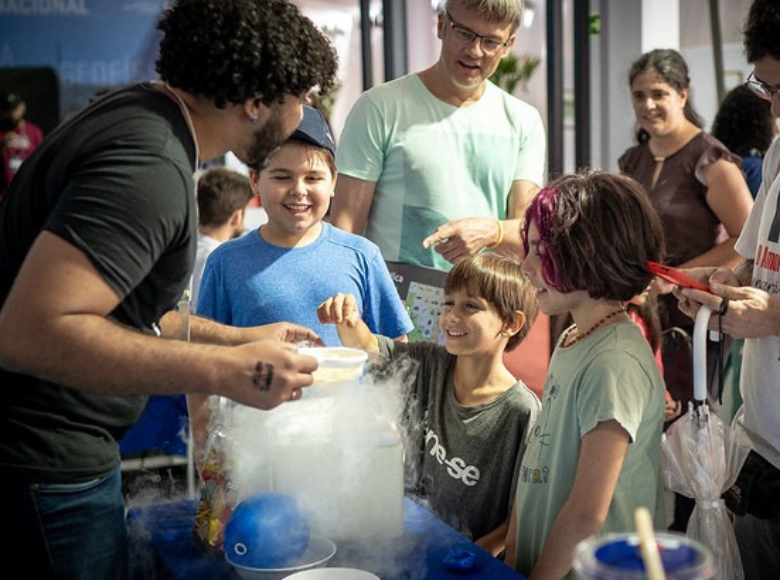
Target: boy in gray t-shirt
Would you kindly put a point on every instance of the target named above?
(468, 415)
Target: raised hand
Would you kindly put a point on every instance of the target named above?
(342, 311)
(339, 309)
(458, 239)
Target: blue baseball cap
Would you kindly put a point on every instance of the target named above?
(314, 129)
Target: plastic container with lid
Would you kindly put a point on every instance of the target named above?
(338, 367)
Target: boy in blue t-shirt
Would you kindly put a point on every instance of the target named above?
(284, 269)
(288, 266)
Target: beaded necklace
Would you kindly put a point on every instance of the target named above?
(593, 328)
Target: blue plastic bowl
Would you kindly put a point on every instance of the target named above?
(266, 531)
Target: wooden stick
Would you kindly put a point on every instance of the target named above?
(647, 544)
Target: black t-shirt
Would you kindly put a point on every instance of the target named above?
(116, 182)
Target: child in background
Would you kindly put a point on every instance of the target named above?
(475, 415)
(223, 195)
(594, 455)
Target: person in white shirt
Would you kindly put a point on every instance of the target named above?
(747, 300)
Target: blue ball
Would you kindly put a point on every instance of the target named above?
(267, 530)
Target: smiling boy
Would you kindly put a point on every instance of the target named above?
(288, 266)
(467, 418)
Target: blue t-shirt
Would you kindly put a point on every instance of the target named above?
(248, 282)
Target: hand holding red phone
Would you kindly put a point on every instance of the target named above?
(675, 276)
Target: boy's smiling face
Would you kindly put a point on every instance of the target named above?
(295, 189)
(471, 325)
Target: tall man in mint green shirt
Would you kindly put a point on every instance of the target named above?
(438, 165)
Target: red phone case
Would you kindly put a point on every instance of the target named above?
(675, 276)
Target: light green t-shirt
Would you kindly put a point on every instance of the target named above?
(433, 162)
(611, 374)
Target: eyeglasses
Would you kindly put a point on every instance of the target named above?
(489, 44)
(760, 88)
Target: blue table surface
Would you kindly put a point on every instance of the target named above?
(163, 546)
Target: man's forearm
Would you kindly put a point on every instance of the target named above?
(203, 330)
(92, 353)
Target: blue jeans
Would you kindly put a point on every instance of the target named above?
(72, 531)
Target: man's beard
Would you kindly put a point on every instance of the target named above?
(265, 142)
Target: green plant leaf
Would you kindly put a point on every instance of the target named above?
(513, 70)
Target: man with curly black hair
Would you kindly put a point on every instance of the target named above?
(97, 241)
(256, 59)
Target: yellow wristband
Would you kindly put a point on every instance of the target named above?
(500, 237)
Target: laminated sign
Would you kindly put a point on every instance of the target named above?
(422, 290)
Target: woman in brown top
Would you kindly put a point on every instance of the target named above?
(694, 182)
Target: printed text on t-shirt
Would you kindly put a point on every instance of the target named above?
(766, 258)
(456, 467)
